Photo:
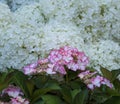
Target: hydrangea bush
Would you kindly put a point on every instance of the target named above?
(60, 78)
(32, 28)
(64, 59)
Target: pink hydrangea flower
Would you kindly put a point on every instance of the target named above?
(107, 83)
(92, 80)
(50, 69)
(79, 61)
(43, 61)
(91, 86)
(58, 60)
(98, 81)
(19, 100)
(86, 74)
(60, 69)
(83, 74)
(30, 69)
(45, 66)
(12, 91)
(69, 57)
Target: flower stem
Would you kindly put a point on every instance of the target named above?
(67, 78)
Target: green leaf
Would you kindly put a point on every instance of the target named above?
(76, 84)
(40, 80)
(75, 92)
(49, 87)
(20, 80)
(116, 83)
(3, 75)
(51, 84)
(72, 74)
(30, 87)
(113, 100)
(51, 99)
(3, 85)
(81, 97)
(100, 96)
(5, 79)
(38, 93)
(39, 102)
(106, 73)
(115, 74)
(112, 92)
(66, 94)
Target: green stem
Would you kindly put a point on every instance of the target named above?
(67, 78)
(89, 97)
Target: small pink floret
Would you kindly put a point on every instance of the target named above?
(13, 91)
(30, 69)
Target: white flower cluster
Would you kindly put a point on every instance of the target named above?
(37, 26)
(105, 53)
(98, 19)
(5, 16)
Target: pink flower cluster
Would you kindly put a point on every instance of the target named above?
(15, 93)
(58, 60)
(67, 58)
(30, 69)
(12, 91)
(19, 100)
(41, 66)
(98, 81)
(92, 80)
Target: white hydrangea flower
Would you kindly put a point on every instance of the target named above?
(40, 25)
(20, 43)
(105, 53)
(98, 19)
(30, 15)
(13, 52)
(5, 16)
(60, 10)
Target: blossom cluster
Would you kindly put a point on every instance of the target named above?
(57, 60)
(34, 27)
(92, 80)
(15, 95)
(103, 54)
(64, 59)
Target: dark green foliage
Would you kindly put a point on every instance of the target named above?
(42, 89)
